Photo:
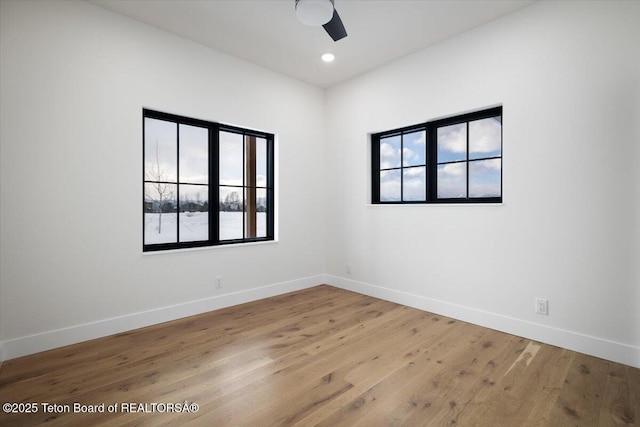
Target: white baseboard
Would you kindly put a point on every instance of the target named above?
(31, 344)
(594, 346)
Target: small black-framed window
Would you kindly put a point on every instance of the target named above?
(205, 183)
(452, 160)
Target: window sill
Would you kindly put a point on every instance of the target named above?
(207, 248)
(424, 205)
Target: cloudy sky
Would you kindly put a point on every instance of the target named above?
(410, 150)
(161, 160)
(162, 163)
(485, 140)
(404, 159)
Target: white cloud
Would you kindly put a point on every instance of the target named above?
(484, 178)
(414, 184)
(389, 155)
(160, 150)
(389, 185)
(485, 166)
(452, 170)
(485, 135)
(452, 180)
(453, 138)
(231, 158)
(417, 138)
(414, 172)
(484, 189)
(407, 155)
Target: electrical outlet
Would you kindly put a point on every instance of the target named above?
(542, 306)
(218, 282)
(348, 268)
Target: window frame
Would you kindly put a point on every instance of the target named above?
(213, 183)
(431, 160)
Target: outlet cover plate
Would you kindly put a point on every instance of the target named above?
(542, 306)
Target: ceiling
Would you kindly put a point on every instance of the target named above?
(267, 32)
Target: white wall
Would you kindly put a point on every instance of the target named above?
(74, 80)
(567, 74)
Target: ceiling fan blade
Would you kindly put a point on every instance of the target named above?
(335, 28)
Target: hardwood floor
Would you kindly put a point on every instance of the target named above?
(321, 356)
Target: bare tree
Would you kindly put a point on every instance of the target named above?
(232, 202)
(157, 178)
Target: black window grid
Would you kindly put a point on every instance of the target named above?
(213, 184)
(431, 153)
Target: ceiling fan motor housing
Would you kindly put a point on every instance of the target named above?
(314, 12)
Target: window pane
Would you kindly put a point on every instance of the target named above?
(194, 217)
(484, 178)
(194, 154)
(231, 213)
(261, 162)
(485, 138)
(160, 213)
(390, 152)
(414, 149)
(250, 212)
(452, 180)
(261, 197)
(390, 185)
(452, 143)
(414, 184)
(231, 158)
(255, 219)
(160, 150)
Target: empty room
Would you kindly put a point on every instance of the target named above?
(319, 213)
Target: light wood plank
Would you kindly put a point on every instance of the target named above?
(328, 357)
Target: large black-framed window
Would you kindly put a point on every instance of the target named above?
(205, 183)
(452, 160)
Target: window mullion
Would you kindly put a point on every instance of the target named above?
(402, 167)
(250, 188)
(270, 188)
(177, 182)
(249, 217)
(242, 188)
(214, 183)
(467, 133)
(426, 165)
(435, 178)
(432, 162)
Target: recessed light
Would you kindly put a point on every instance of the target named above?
(328, 57)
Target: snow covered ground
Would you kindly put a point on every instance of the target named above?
(194, 226)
